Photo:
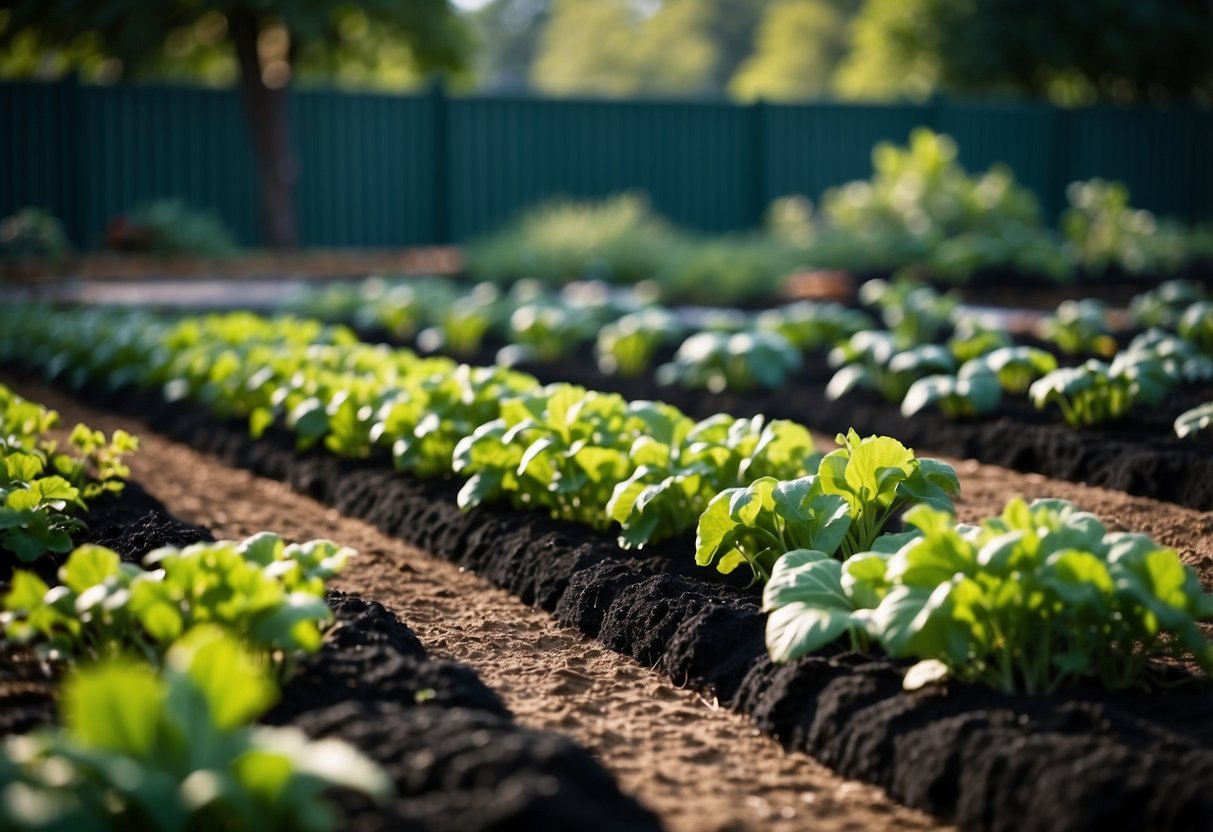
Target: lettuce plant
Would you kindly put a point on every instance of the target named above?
(719, 361)
(170, 750)
(973, 391)
(1080, 327)
(1182, 361)
(1016, 367)
(760, 523)
(269, 594)
(857, 489)
(812, 326)
(38, 513)
(545, 332)
(1196, 324)
(679, 470)
(44, 490)
(1094, 392)
(1163, 305)
(870, 361)
(626, 347)
(562, 447)
(973, 339)
(913, 312)
(1029, 601)
(424, 421)
(460, 330)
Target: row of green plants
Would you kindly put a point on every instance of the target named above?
(627, 329)
(1032, 601)
(971, 371)
(931, 353)
(582, 455)
(47, 485)
(920, 209)
(168, 666)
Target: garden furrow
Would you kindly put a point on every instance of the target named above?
(698, 765)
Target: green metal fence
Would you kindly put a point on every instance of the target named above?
(386, 170)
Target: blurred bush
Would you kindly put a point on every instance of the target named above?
(170, 227)
(33, 234)
(1102, 232)
(922, 208)
(619, 239)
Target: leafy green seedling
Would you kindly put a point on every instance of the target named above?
(141, 749)
(973, 391)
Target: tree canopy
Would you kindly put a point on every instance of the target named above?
(631, 47)
(376, 43)
(1073, 51)
(798, 46)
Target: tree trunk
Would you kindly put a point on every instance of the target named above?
(265, 109)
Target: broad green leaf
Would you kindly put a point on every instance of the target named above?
(480, 487)
(1080, 579)
(115, 706)
(940, 474)
(235, 687)
(892, 622)
(874, 455)
(805, 575)
(262, 548)
(714, 524)
(748, 503)
(624, 495)
(864, 579)
(26, 593)
(799, 629)
(831, 520)
(88, 566)
(925, 672)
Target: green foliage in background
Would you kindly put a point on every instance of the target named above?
(32, 233)
(797, 49)
(379, 43)
(171, 227)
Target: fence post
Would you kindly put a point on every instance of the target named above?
(757, 168)
(440, 182)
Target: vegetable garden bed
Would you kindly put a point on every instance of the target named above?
(446, 741)
(667, 747)
(987, 760)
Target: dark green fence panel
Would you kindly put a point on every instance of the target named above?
(386, 170)
(813, 147)
(141, 143)
(38, 161)
(1164, 156)
(366, 166)
(1020, 136)
(507, 153)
